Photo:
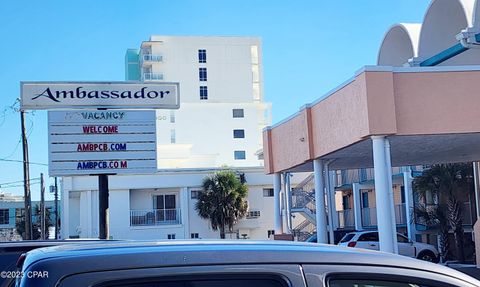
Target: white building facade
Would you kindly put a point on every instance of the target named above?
(219, 125)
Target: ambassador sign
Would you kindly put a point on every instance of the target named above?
(61, 95)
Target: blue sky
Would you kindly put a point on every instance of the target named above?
(309, 47)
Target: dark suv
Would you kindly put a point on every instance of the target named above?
(229, 264)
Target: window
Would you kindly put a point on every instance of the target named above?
(172, 116)
(4, 218)
(217, 280)
(172, 136)
(171, 236)
(270, 233)
(202, 56)
(365, 200)
(346, 202)
(371, 236)
(374, 283)
(238, 134)
(268, 192)
(253, 214)
(238, 113)
(347, 237)
(203, 93)
(402, 193)
(402, 239)
(165, 208)
(194, 194)
(194, 235)
(239, 154)
(202, 74)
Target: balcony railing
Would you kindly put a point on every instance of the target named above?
(155, 217)
(152, 58)
(346, 218)
(369, 215)
(152, 76)
(400, 214)
(467, 215)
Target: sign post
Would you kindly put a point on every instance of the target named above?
(103, 220)
(104, 140)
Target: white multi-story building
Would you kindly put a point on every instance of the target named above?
(222, 110)
(219, 124)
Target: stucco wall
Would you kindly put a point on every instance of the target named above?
(421, 102)
(437, 102)
(291, 139)
(341, 119)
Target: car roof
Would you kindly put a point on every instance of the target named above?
(30, 244)
(95, 256)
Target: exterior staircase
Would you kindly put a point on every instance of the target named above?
(303, 203)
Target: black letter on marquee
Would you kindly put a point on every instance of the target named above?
(48, 95)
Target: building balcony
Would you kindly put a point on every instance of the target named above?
(154, 217)
(152, 76)
(148, 58)
(369, 216)
(467, 213)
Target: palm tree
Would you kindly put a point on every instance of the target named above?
(449, 183)
(36, 234)
(222, 200)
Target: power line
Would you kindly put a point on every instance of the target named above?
(18, 181)
(18, 185)
(15, 108)
(12, 108)
(16, 160)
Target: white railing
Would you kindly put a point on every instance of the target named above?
(152, 76)
(152, 58)
(467, 215)
(400, 214)
(155, 217)
(369, 215)
(345, 218)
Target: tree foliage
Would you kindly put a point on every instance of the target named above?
(36, 225)
(447, 184)
(222, 200)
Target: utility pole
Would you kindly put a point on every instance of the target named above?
(26, 180)
(42, 208)
(56, 209)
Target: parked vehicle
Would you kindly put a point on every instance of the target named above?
(406, 247)
(11, 251)
(229, 264)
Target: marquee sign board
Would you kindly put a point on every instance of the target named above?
(86, 142)
(94, 95)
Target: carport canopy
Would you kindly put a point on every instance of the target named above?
(430, 115)
(382, 117)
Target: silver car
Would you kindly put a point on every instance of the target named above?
(228, 264)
